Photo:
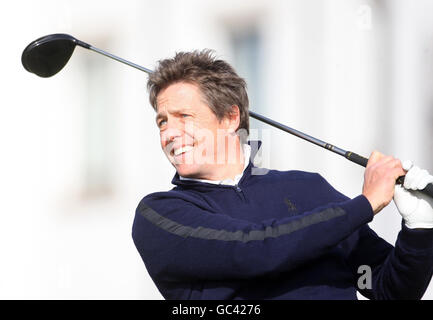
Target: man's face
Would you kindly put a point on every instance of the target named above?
(191, 136)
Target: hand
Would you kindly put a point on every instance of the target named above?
(415, 207)
(379, 179)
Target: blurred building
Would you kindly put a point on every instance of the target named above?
(81, 149)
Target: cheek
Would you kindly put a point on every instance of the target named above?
(204, 133)
(165, 144)
(162, 140)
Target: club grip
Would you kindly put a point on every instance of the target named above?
(356, 158)
(428, 190)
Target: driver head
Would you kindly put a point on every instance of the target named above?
(48, 55)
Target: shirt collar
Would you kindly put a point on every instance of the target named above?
(232, 182)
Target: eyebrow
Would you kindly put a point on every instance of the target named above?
(160, 115)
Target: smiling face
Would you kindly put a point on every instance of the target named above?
(193, 139)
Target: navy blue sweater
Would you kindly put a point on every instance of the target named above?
(282, 235)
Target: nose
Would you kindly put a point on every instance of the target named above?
(172, 131)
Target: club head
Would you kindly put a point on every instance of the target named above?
(48, 55)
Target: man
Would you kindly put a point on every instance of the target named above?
(224, 232)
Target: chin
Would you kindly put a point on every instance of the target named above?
(188, 171)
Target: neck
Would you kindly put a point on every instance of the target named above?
(233, 162)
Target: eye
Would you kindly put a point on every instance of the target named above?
(184, 115)
(161, 123)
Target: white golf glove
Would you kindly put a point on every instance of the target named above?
(415, 207)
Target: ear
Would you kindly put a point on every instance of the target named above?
(233, 119)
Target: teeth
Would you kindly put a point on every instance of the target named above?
(182, 150)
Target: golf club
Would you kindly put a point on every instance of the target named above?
(47, 55)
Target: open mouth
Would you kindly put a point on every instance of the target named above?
(181, 150)
(179, 153)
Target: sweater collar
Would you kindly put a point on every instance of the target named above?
(254, 145)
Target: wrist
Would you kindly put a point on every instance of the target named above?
(375, 206)
(418, 225)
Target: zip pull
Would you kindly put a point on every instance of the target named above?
(239, 192)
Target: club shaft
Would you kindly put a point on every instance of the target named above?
(299, 134)
(112, 56)
(356, 158)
